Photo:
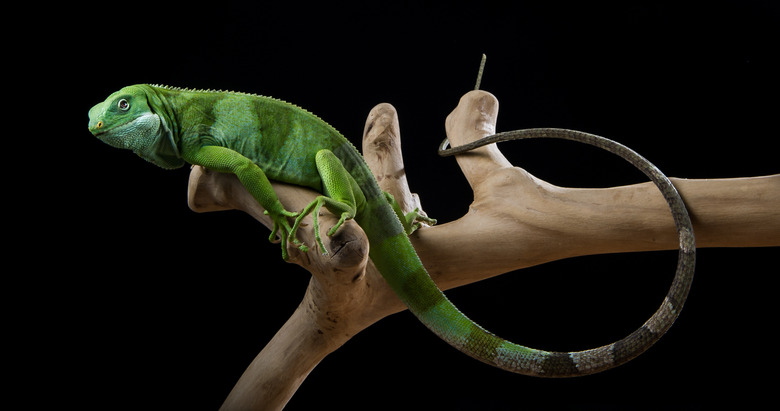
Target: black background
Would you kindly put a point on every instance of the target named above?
(132, 301)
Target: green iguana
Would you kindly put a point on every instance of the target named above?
(260, 139)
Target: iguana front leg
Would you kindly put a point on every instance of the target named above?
(253, 178)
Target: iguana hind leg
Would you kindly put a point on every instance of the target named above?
(411, 221)
(341, 196)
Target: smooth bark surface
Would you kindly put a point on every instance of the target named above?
(536, 221)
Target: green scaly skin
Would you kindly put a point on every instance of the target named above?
(261, 139)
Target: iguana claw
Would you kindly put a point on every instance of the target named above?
(283, 229)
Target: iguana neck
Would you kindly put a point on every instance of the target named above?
(160, 103)
(166, 151)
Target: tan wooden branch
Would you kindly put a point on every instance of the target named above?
(536, 221)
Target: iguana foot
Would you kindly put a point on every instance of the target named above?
(313, 208)
(282, 229)
(415, 220)
(411, 221)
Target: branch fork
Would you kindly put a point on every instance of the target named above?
(347, 294)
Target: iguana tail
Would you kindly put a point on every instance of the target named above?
(396, 259)
(394, 256)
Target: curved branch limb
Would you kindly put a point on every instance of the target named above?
(319, 324)
(382, 151)
(535, 221)
(539, 222)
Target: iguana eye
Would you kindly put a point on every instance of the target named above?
(123, 105)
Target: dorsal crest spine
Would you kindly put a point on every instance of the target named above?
(241, 93)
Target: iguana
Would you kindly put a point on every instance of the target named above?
(260, 139)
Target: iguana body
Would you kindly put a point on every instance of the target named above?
(259, 138)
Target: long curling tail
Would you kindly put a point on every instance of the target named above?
(395, 258)
(414, 286)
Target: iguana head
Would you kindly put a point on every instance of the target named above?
(132, 119)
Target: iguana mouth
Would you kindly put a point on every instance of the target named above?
(97, 129)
